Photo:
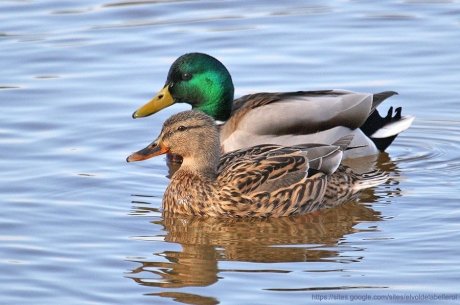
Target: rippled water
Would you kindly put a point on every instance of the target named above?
(80, 226)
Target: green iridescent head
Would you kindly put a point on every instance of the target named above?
(196, 79)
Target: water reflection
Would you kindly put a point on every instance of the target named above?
(188, 298)
(206, 241)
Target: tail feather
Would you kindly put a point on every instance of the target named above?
(369, 179)
(383, 130)
(378, 98)
(394, 128)
(344, 185)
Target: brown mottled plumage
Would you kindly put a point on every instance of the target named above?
(262, 181)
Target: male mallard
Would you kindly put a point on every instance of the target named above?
(287, 118)
(261, 181)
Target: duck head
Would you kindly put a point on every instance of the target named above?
(192, 135)
(196, 79)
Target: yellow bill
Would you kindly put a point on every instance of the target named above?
(160, 101)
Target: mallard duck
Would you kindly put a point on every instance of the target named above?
(261, 181)
(287, 118)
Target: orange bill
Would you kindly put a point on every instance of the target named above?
(150, 151)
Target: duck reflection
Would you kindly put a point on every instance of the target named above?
(188, 298)
(205, 242)
(381, 161)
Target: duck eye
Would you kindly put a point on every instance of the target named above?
(181, 128)
(186, 76)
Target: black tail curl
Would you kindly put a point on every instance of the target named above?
(374, 122)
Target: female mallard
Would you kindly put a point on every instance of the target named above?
(288, 118)
(261, 181)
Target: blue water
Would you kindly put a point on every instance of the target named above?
(78, 225)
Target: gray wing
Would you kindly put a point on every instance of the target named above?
(295, 118)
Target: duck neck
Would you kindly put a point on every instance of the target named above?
(202, 165)
(206, 172)
(218, 105)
